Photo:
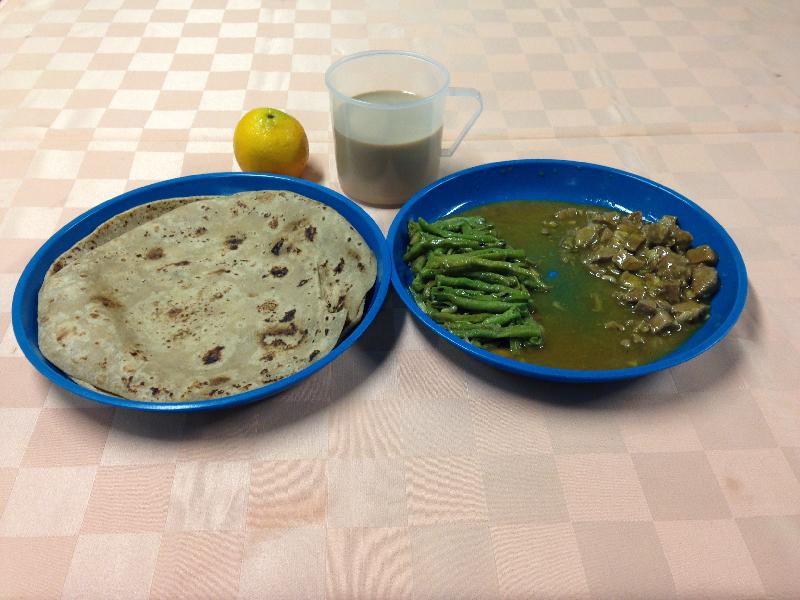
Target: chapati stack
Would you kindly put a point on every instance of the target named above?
(196, 298)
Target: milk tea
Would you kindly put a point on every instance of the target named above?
(383, 160)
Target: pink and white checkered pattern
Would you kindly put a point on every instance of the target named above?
(406, 469)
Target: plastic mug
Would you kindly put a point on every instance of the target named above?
(387, 109)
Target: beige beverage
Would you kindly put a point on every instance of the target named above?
(387, 155)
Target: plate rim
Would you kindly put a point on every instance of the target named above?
(57, 377)
(551, 373)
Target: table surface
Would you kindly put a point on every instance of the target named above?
(405, 468)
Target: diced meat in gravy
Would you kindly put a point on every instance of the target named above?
(657, 273)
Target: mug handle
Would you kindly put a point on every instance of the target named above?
(471, 93)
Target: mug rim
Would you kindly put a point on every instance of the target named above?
(374, 105)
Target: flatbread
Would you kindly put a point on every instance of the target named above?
(120, 224)
(203, 297)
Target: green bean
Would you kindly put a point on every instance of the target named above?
(529, 331)
(505, 280)
(495, 253)
(420, 301)
(426, 244)
(446, 233)
(527, 275)
(475, 284)
(515, 296)
(475, 242)
(455, 223)
(425, 226)
(417, 284)
(419, 263)
(502, 319)
(441, 317)
(534, 282)
(481, 241)
(473, 304)
(458, 263)
(415, 249)
(515, 344)
(459, 291)
(426, 289)
(466, 283)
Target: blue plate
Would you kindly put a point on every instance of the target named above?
(24, 308)
(583, 183)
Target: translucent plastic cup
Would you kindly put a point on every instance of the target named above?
(387, 110)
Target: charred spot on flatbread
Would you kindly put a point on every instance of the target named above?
(277, 330)
(234, 241)
(63, 333)
(279, 271)
(213, 355)
(267, 306)
(180, 263)
(106, 300)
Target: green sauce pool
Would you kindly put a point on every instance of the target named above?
(574, 311)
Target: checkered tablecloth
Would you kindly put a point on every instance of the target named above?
(405, 468)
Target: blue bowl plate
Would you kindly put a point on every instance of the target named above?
(25, 304)
(582, 183)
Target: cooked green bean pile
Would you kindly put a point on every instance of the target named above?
(473, 283)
